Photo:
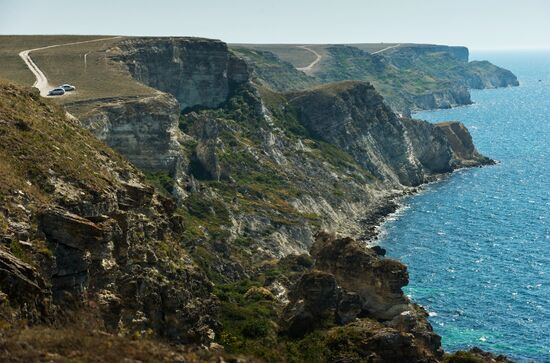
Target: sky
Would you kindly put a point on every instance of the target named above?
(478, 24)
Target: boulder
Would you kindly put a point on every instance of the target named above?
(313, 301)
(359, 269)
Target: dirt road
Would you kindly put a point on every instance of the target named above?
(41, 80)
(309, 68)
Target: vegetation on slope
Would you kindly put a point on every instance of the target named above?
(270, 71)
(403, 74)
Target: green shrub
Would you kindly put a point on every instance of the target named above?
(255, 328)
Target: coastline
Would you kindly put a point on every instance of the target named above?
(393, 205)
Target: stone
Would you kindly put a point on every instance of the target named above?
(350, 307)
(380, 251)
(358, 269)
(22, 285)
(313, 301)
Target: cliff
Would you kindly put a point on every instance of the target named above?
(410, 77)
(197, 72)
(227, 248)
(360, 293)
(83, 234)
(353, 117)
(190, 72)
(263, 147)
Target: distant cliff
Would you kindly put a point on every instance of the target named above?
(409, 76)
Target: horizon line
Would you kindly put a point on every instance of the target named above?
(474, 48)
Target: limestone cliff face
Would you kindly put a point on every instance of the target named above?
(145, 130)
(353, 116)
(457, 95)
(196, 71)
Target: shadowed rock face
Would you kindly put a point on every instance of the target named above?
(198, 72)
(22, 285)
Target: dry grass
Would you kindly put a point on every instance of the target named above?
(37, 140)
(98, 78)
(73, 345)
(13, 68)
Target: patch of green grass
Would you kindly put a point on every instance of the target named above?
(163, 182)
(17, 250)
(249, 326)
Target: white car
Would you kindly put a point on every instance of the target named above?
(67, 87)
(57, 92)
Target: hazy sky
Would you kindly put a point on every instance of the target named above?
(478, 24)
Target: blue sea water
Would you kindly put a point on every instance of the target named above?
(477, 244)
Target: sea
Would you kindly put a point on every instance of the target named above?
(477, 243)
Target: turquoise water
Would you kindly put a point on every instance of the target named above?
(478, 243)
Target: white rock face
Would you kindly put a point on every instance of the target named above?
(144, 130)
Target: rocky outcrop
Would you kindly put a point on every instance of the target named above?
(145, 130)
(367, 340)
(197, 72)
(377, 281)
(120, 260)
(476, 355)
(353, 287)
(314, 299)
(483, 74)
(460, 140)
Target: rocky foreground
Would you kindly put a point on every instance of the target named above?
(216, 220)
